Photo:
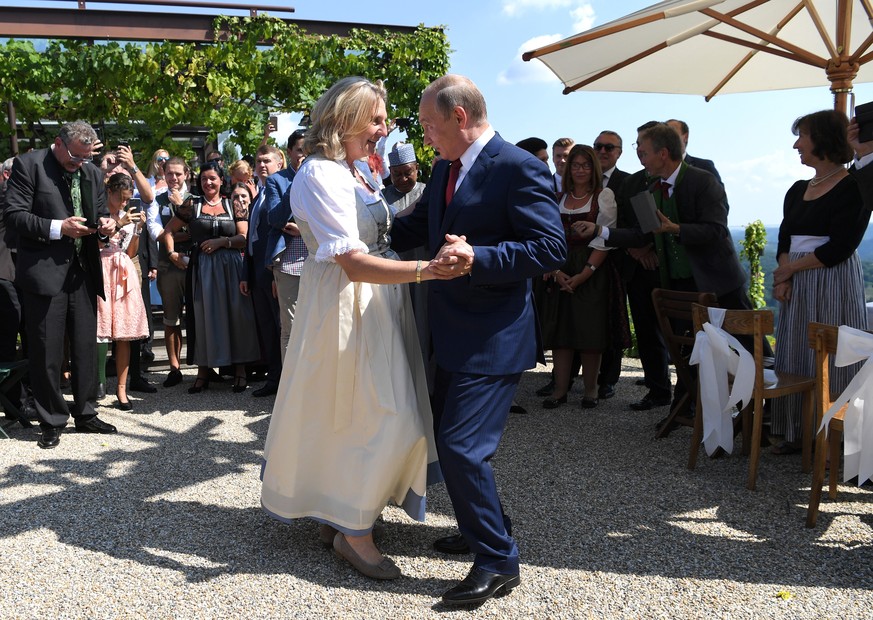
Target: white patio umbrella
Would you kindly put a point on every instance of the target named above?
(710, 47)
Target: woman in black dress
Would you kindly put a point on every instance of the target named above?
(224, 320)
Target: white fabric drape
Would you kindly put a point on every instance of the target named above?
(854, 345)
(719, 356)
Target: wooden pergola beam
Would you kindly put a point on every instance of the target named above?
(99, 25)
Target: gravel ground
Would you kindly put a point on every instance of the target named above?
(163, 521)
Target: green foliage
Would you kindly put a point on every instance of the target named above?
(235, 84)
(752, 250)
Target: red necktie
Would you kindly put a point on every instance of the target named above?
(454, 170)
(665, 189)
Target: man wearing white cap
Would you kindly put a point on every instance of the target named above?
(405, 190)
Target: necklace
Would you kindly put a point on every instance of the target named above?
(212, 203)
(582, 197)
(817, 179)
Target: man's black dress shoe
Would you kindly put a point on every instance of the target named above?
(51, 437)
(478, 586)
(453, 545)
(607, 390)
(101, 391)
(650, 401)
(95, 425)
(268, 390)
(516, 408)
(141, 384)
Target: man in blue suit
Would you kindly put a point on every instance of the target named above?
(285, 247)
(484, 327)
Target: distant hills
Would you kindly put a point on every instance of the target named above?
(768, 261)
(865, 250)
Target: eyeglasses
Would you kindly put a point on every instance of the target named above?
(214, 160)
(162, 159)
(609, 148)
(74, 159)
(581, 165)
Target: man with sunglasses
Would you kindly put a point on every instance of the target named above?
(56, 203)
(608, 145)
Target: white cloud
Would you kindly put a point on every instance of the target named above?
(778, 169)
(513, 8)
(583, 17)
(534, 71)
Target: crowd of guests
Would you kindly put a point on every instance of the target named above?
(311, 263)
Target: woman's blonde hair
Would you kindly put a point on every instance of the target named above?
(241, 168)
(153, 170)
(345, 110)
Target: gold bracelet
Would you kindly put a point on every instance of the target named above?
(418, 273)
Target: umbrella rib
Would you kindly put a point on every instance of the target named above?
(810, 60)
(614, 68)
(857, 56)
(748, 57)
(822, 31)
(755, 32)
(591, 35)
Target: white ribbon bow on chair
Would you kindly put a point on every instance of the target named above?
(854, 345)
(717, 355)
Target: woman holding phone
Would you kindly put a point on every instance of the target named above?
(121, 317)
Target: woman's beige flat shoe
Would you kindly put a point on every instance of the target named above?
(386, 569)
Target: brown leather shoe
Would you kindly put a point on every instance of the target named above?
(386, 569)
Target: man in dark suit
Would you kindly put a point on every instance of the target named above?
(257, 278)
(608, 146)
(484, 327)
(560, 152)
(56, 203)
(693, 248)
(285, 248)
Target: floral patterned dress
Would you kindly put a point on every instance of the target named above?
(122, 315)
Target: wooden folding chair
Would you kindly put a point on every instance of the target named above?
(757, 324)
(823, 339)
(673, 310)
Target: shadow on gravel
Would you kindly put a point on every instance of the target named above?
(591, 491)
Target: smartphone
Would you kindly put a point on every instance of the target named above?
(274, 122)
(134, 205)
(122, 143)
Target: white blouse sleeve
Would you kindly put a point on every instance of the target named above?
(323, 195)
(606, 216)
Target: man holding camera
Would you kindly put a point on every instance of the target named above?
(56, 203)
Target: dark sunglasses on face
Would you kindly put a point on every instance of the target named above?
(161, 160)
(609, 148)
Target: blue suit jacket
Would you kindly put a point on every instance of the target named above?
(278, 211)
(485, 323)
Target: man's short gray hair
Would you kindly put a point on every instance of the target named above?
(7, 165)
(452, 91)
(78, 131)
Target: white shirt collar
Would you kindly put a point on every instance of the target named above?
(473, 151)
(672, 178)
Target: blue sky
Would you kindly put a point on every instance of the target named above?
(748, 136)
